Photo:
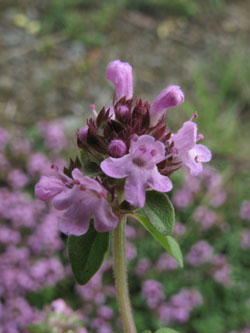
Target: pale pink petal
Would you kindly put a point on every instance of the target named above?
(189, 159)
(75, 221)
(64, 199)
(203, 153)
(120, 74)
(169, 97)
(135, 187)
(104, 218)
(48, 187)
(116, 167)
(185, 138)
(159, 182)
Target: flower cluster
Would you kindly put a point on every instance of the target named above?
(126, 149)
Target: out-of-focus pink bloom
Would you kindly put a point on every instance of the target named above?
(143, 267)
(218, 198)
(139, 166)
(153, 292)
(8, 235)
(169, 97)
(182, 198)
(120, 74)
(166, 263)
(105, 312)
(222, 270)
(4, 164)
(4, 138)
(200, 253)
(179, 229)
(38, 164)
(131, 251)
(130, 232)
(191, 154)
(205, 217)
(54, 135)
(245, 210)
(17, 179)
(245, 239)
(180, 305)
(60, 306)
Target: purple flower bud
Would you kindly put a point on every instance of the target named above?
(122, 112)
(117, 148)
(169, 97)
(120, 74)
(82, 135)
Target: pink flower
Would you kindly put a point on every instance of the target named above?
(191, 154)
(120, 74)
(139, 166)
(169, 97)
(81, 197)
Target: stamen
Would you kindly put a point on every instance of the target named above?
(197, 159)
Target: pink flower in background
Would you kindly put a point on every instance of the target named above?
(205, 217)
(183, 198)
(166, 263)
(4, 138)
(179, 229)
(221, 270)
(200, 253)
(245, 239)
(245, 210)
(17, 179)
(139, 166)
(191, 154)
(143, 266)
(54, 135)
(153, 292)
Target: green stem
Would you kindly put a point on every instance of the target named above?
(120, 271)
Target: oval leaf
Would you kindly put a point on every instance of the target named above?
(168, 242)
(160, 212)
(86, 253)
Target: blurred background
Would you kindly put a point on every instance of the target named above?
(53, 58)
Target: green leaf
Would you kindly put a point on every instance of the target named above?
(168, 242)
(166, 330)
(147, 331)
(160, 212)
(86, 253)
(37, 328)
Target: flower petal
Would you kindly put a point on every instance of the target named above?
(116, 167)
(204, 154)
(104, 218)
(169, 97)
(189, 159)
(159, 182)
(135, 187)
(120, 74)
(48, 187)
(185, 138)
(75, 221)
(64, 199)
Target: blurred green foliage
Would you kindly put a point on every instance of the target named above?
(88, 21)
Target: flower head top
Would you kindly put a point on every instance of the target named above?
(126, 149)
